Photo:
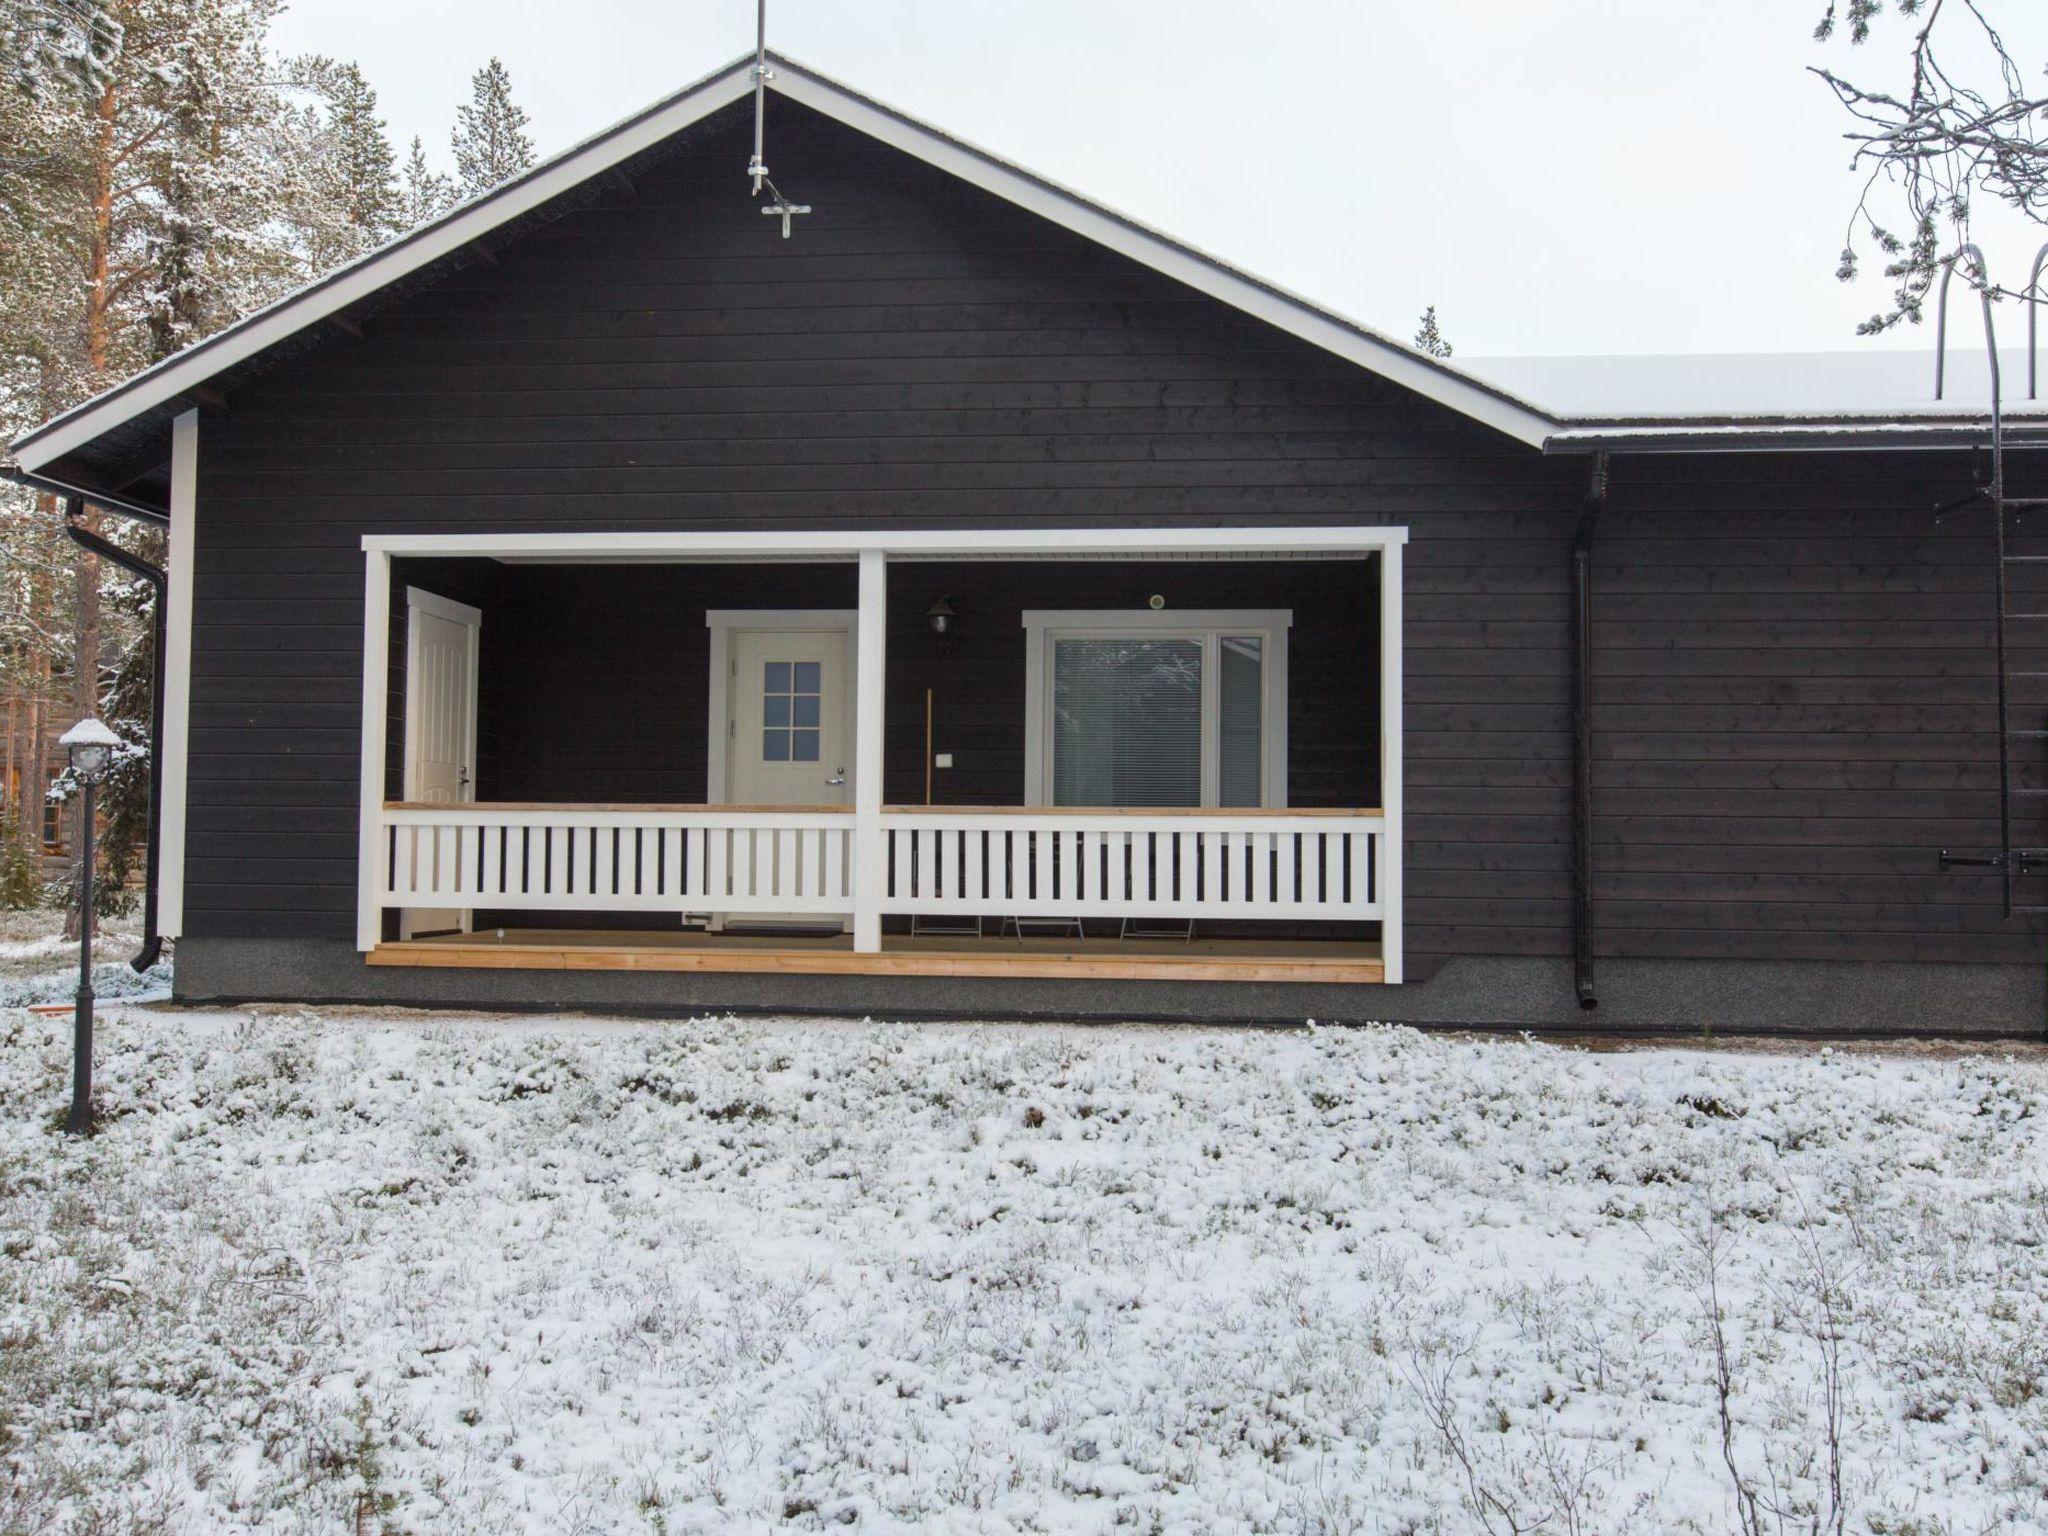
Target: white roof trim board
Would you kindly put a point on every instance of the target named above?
(1450, 386)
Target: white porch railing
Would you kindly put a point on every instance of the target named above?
(1068, 863)
(618, 858)
(1133, 863)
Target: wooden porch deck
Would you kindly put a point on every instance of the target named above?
(902, 955)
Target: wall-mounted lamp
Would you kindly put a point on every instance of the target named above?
(940, 615)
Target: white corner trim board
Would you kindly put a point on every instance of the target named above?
(177, 743)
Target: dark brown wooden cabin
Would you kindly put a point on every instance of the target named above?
(556, 621)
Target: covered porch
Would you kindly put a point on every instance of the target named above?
(1039, 753)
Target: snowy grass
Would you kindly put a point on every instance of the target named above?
(382, 1273)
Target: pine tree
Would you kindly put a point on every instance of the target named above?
(52, 44)
(355, 177)
(423, 192)
(490, 143)
(152, 186)
(1430, 340)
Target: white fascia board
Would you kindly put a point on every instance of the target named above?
(1297, 316)
(963, 543)
(335, 292)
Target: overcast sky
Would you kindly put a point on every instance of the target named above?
(1569, 176)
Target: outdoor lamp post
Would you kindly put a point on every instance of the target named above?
(91, 748)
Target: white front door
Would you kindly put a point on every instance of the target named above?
(440, 722)
(789, 726)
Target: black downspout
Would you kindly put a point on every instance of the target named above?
(85, 538)
(1582, 735)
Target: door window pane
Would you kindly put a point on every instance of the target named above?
(1240, 722)
(791, 710)
(1127, 721)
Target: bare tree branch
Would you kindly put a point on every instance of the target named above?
(1936, 147)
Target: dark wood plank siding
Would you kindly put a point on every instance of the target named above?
(1793, 666)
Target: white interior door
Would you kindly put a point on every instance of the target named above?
(789, 727)
(440, 722)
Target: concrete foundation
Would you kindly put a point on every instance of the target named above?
(1636, 996)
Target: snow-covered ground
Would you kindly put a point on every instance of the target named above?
(573, 1276)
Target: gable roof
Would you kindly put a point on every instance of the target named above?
(148, 398)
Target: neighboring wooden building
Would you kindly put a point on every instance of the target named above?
(555, 601)
(29, 727)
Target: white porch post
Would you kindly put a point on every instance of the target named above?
(376, 687)
(869, 650)
(1390, 757)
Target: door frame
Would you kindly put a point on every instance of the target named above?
(418, 601)
(724, 623)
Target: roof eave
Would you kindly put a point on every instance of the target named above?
(1815, 434)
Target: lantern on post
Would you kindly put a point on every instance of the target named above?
(91, 747)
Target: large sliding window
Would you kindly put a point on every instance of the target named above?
(1156, 709)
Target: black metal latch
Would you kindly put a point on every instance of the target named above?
(2024, 860)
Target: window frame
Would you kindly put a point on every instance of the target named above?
(1043, 627)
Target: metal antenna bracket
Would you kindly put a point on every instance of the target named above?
(782, 208)
(757, 167)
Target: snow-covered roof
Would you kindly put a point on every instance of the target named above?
(1551, 403)
(1870, 383)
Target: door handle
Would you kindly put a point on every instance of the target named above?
(838, 776)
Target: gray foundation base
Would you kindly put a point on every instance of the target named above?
(1733, 996)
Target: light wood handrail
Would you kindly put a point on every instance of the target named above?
(1220, 813)
(583, 808)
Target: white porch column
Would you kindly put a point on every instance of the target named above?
(376, 687)
(869, 652)
(1390, 757)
